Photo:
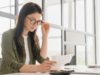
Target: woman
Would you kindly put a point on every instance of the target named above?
(20, 46)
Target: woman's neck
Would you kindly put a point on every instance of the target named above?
(25, 32)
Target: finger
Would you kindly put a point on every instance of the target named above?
(48, 68)
(51, 62)
(48, 63)
(46, 25)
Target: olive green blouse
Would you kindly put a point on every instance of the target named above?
(10, 59)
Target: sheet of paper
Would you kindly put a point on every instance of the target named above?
(62, 60)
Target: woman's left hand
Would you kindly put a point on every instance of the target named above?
(45, 29)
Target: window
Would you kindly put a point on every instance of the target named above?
(7, 7)
(90, 29)
(81, 19)
(85, 23)
(53, 16)
(80, 26)
(68, 15)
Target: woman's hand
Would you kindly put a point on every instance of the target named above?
(45, 29)
(46, 66)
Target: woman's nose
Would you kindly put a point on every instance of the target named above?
(35, 25)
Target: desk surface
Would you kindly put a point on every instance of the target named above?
(29, 74)
(77, 70)
(84, 70)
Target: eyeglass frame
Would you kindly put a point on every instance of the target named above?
(39, 22)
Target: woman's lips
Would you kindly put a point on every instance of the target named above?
(32, 27)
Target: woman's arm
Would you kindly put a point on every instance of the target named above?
(9, 62)
(28, 68)
(44, 67)
(45, 30)
(43, 51)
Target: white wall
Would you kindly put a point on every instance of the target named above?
(97, 3)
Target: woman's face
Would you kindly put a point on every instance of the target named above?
(31, 22)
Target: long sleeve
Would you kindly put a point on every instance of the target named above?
(39, 58)
(9, 62)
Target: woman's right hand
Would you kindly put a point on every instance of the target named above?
(46, 66)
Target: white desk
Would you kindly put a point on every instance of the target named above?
(78, 70)
(84, 70)
(28, 74)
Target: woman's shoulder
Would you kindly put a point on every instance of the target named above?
(8, 33)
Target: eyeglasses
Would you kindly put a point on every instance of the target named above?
(33, 21)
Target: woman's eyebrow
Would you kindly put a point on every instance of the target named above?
(33, 18)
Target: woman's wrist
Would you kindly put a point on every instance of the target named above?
(38, 68)
(35, 68)
(44, 37)
(28, 68)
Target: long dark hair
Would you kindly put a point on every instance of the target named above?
(27, 9)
